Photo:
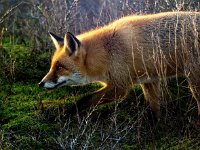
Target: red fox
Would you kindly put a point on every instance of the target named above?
(138, 49)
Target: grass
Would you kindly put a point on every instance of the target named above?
(33, 118)
(21, 120)
(25, 125)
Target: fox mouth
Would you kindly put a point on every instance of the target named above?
(60, 84)
(57, 85)
(51, 85)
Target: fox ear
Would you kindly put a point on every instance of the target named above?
(56, 40)
(71, 43)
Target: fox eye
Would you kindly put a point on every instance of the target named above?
(59, 67)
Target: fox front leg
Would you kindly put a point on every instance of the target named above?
(106, 94)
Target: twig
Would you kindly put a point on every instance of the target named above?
(9, 11)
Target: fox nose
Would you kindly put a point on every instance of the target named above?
(41, 84)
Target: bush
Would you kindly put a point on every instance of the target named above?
(21, 63)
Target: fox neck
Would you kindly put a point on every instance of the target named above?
(96, 60)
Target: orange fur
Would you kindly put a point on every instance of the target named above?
(143, 49)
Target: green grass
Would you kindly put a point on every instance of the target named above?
(24, 124)
(22, 118)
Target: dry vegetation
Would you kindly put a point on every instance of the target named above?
(33, 118)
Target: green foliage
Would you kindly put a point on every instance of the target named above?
(22, 63)
(24, 123)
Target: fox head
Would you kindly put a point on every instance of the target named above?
(66, 58)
